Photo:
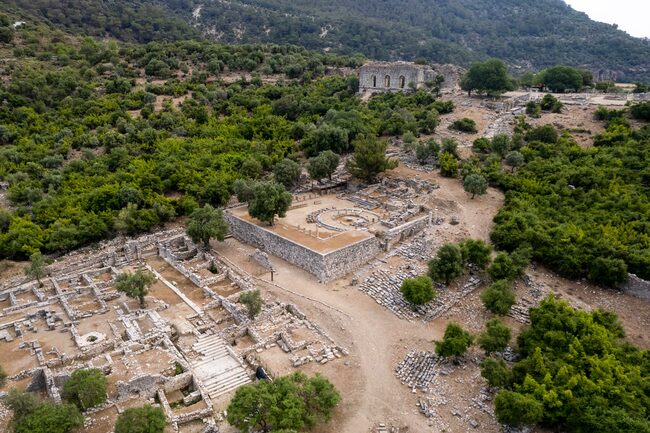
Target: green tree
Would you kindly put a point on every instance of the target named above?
(448, 164)
(608, 272)
(323, 165)
(86, 388)
(464, 125)
(425, 151)
(448, 263)
(144, 419)
(498, 298)
(287, 172)
(495, 338)
(561, 78)
(533, 109)
(289, 403)
(269, 199)
(450, 146)
(418, 290)
(207, 223)
(252, 299)
(22, 403)
(36, 268)
(136, 284)
(551, 103)
(481, 145)
(508, 266)
(516, 409)
(325, 137)
(545, 134)
(496, 372)
(475, 184)
(251, 168)
(3, 377)
(489, 77)
(369, 158)
(515, 159)
(50, 418)
(641, 111)
(501, 144)
(244, 189)
(476, 252)
(455, 342)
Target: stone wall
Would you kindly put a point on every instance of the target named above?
(406, 230)
(637, 287)
(326, 267)
(393, 76)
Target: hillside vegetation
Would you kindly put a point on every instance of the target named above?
(99, 138)
(527, 34)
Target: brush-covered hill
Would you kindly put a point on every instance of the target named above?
(528, 34)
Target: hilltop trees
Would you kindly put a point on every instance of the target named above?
(207, 223)
(135, 285)
(490, 77)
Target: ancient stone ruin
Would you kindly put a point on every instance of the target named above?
(191, 344)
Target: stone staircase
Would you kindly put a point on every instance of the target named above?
(219, 369)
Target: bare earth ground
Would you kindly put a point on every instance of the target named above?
(377, 339)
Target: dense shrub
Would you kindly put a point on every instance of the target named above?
(464, 125)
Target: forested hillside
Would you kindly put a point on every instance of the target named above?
(527, 34)
(99, 138)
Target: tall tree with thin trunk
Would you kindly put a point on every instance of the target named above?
(36, 268)
(136, 284)
(207, 223)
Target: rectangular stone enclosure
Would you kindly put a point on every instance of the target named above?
(395, 76)
(327, 264)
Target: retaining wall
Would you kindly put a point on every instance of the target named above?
(637, 287)
(326, 267)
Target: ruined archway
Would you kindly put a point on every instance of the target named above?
(387, 81)
(374, 81)
(402, 81)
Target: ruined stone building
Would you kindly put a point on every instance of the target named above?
(394, 76)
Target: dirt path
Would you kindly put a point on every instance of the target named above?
(376, 338)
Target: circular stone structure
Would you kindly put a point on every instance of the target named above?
(341, 220)
(91, 338)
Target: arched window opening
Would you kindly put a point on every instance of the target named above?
(374, 81)
(402, 81)
(387, 81)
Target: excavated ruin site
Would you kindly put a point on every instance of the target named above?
(329, 273)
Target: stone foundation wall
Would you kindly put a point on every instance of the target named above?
(637, 287)
(326, 267)
(400, 233)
